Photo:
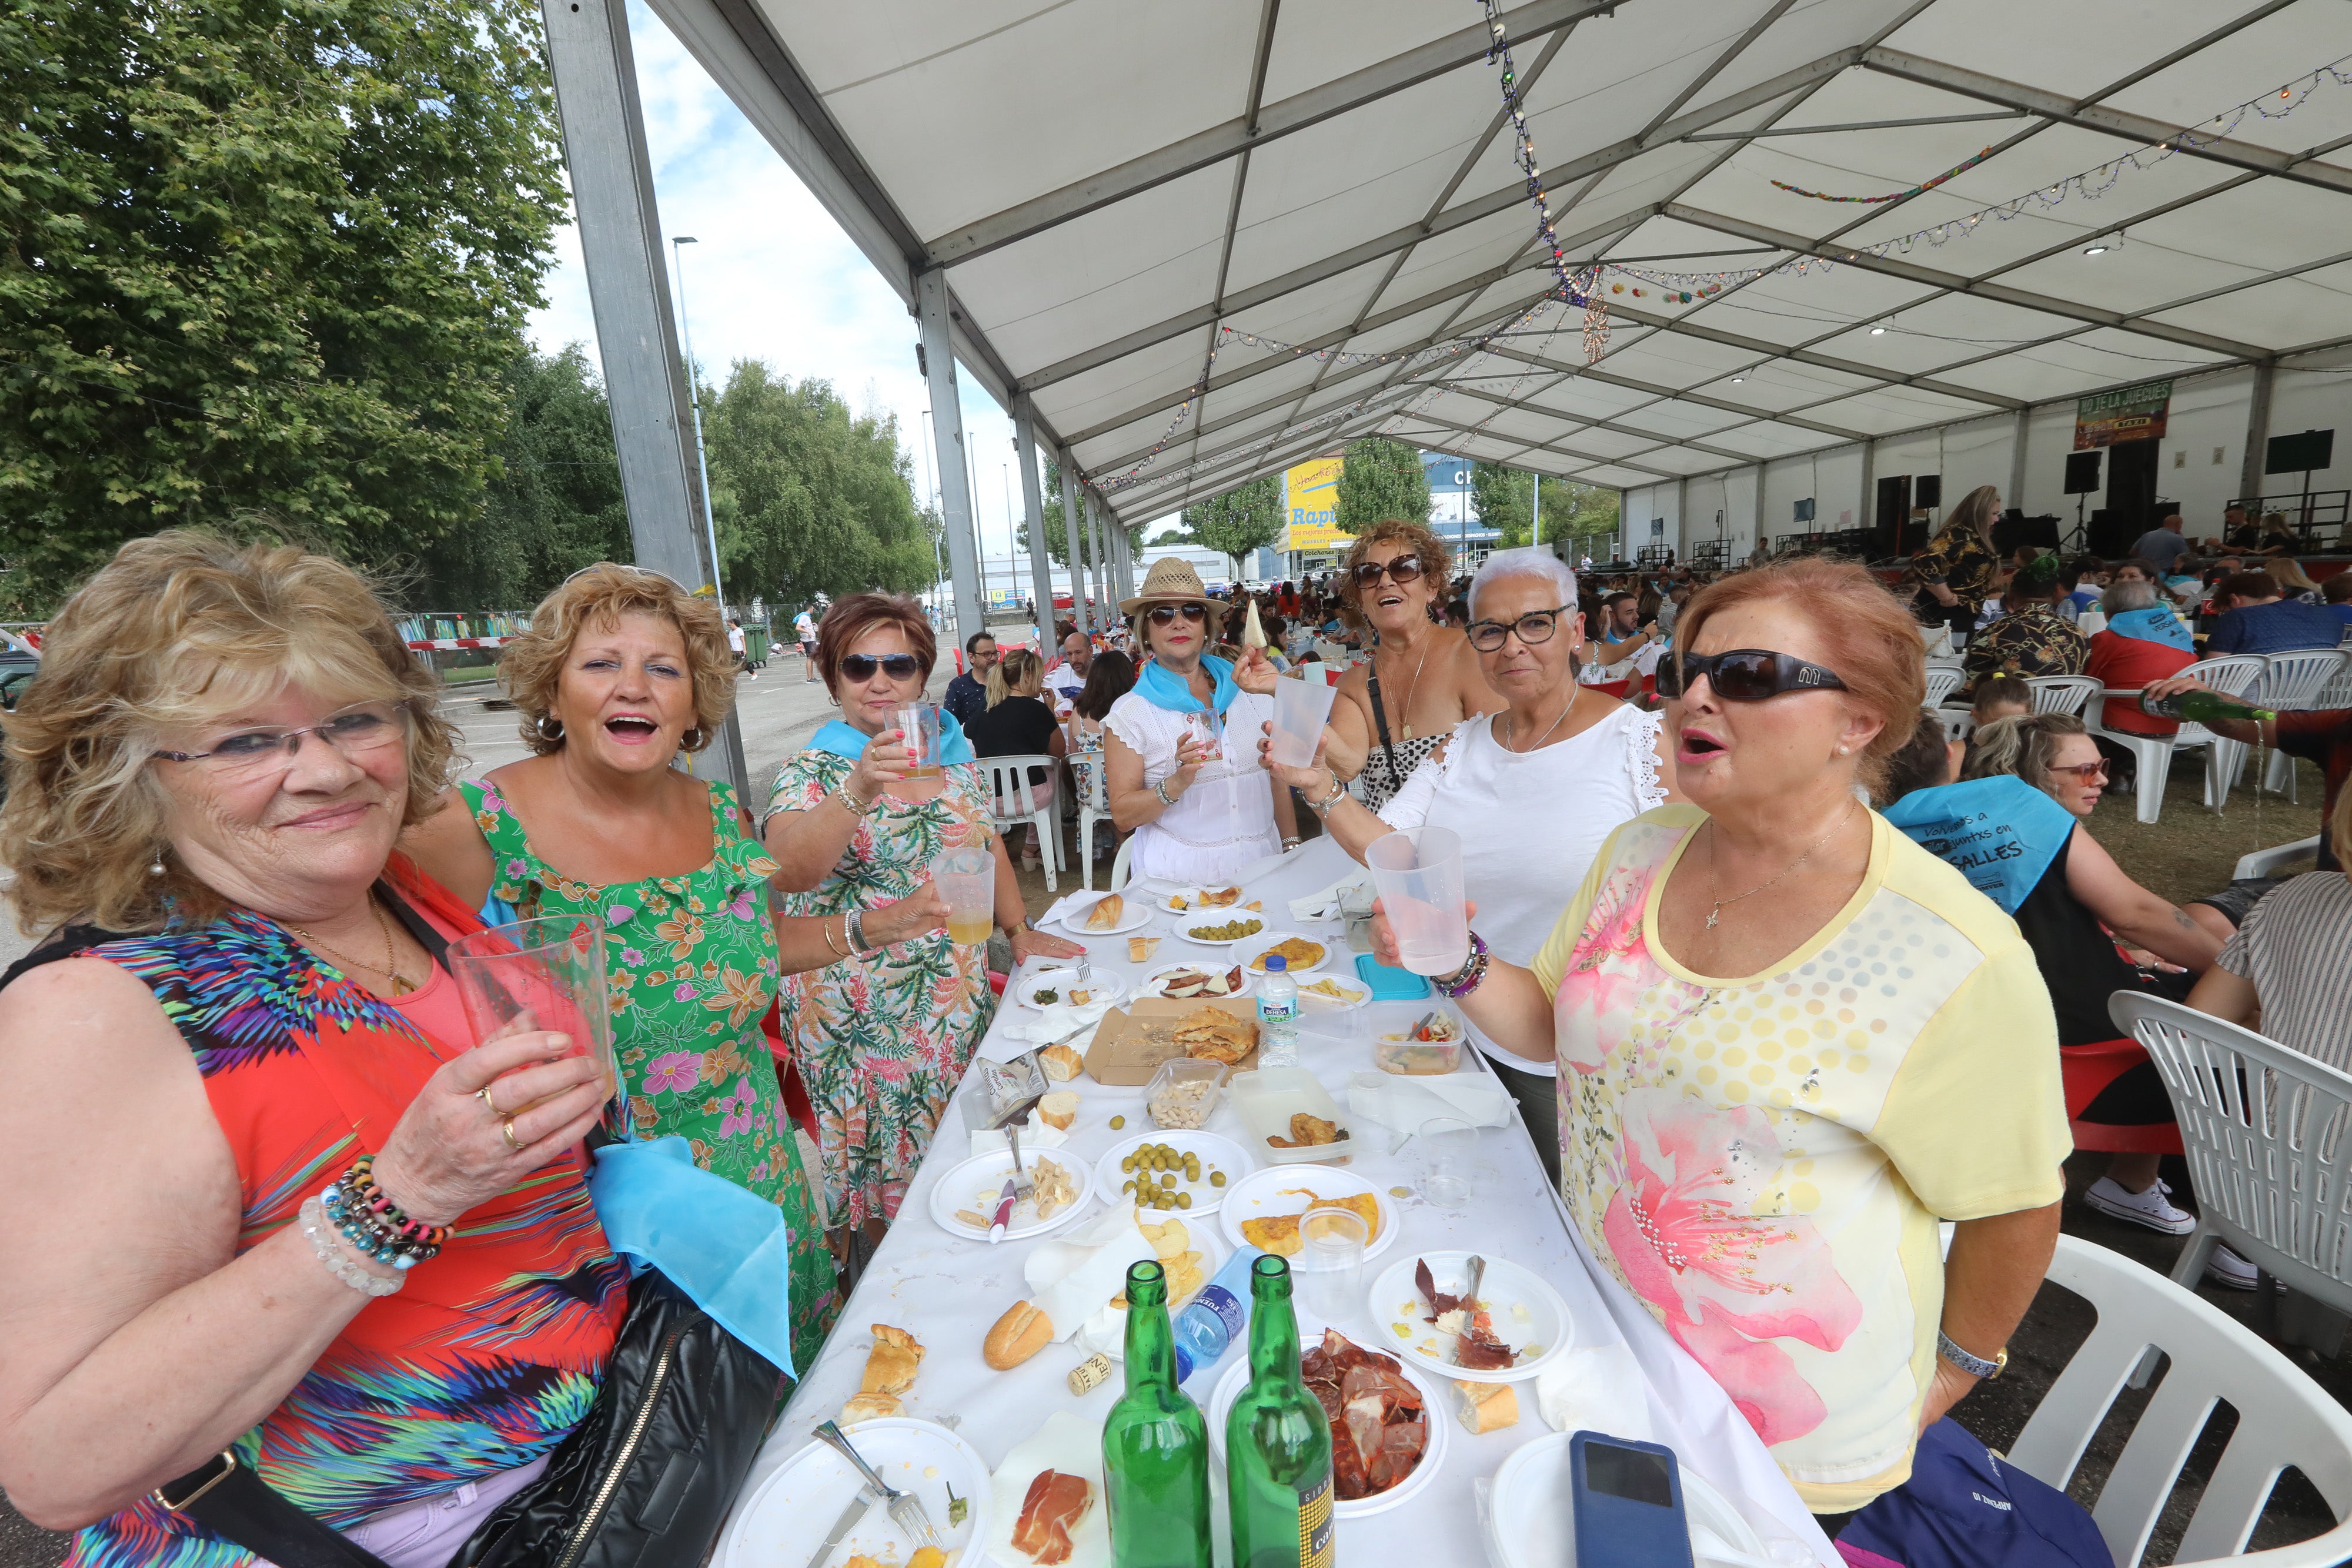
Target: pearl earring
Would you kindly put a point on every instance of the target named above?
(1840, 751)
(155, 866)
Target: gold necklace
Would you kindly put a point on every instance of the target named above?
(1715, 913)
(400, 987)
(1405, 708)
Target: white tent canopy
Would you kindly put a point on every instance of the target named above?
(1209, 239)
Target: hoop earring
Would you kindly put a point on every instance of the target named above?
(692, 739)
(550, 727)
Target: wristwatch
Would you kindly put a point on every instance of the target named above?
(1974, 1366)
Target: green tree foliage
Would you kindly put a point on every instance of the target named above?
(1057, 527)
(809, 497)
(1241, 520)
(1381, 479)
(1504, 498)
(262, 256)
(555, 504)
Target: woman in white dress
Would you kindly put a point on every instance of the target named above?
(1534, 790)
(1198, 818)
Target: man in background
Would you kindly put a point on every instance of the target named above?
(1068, 675)
(2257, 620)
(967, 697)
(2164, 544)
(805, 633)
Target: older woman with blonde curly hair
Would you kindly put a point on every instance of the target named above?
(622, 670)
(240, 1021)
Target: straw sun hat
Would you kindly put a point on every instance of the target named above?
(1171, 580)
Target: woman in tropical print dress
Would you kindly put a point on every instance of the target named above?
(621, 668)
(882, 1038)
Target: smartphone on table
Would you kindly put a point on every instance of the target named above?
(1628, 1499)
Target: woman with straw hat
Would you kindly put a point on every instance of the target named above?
(1200, 811)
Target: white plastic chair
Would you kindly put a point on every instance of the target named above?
(2268, 1133)
(2276, 859)
(2062, 694)
(1008, 782)
(2291, 682)
(1941, 683)
(1094, 808)
(2231, 676)
(1117, 883)
(2285, 1419)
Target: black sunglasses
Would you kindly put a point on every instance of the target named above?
(897, 667)
(1403, 570)
(1165, 614)
(1536, 626)
(1744, 675)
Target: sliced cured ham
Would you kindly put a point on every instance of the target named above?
(1056, 1501)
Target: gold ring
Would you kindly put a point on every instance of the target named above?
(483, 1095)
(506, 1130)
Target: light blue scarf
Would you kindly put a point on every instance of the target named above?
(2155, 624)
(842, 739)
(1164, 688)
(2000, 833)
(724, 1245)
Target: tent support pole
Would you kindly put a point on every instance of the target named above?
(2258, 430)
(1033, 509)
(947, 449)
(1080, 611)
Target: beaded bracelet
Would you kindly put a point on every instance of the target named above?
(321, 1233)
(1468, 977)
(364, 1213)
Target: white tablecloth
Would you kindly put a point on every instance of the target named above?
(947, 1291)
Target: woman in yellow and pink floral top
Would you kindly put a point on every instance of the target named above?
(1791, 1041)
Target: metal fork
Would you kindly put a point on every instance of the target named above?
(1024, 1184)
(906, 1509)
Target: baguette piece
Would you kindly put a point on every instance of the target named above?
(1059, 1109)
(1061, 1063)
(1107, 913)
(1020, 1334)
(1140, 948)
(1488, 1406)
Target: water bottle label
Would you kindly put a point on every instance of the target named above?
(1315, 1525)
(1230, 1309)
(1275, 1012)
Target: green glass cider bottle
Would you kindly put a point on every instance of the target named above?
(1155, 1444)
(1277, 1441)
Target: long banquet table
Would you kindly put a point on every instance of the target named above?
(947, 1291)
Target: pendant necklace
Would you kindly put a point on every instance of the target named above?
(1715, 913)
(400, 987)
(1406, 706)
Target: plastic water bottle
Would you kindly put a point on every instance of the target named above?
(1277, 1015)
(1216, 1317)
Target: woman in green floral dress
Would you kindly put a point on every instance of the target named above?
(620, 668)
(882, 1037)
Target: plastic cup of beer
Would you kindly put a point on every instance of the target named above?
(543, 974)
(918, 728)
(967, 880)
(1419, 876)
(1300, 707)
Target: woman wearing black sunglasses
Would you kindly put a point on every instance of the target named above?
(1791, 1041)
(1424, 679)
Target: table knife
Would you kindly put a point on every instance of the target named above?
(858, 1508)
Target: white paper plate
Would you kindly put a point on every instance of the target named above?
(1222, 1153)
(1505, 1285)
(1134, 917)
(1214, 1254)
(1187, 924)
(795, 1508)
(1534, 1522)
(961, 1187)
(1247, 952)
(1261, 1195)
(1149, 985)
(1433, 1399)
(1100, 985)
(1314, 1002)
(1165, 899)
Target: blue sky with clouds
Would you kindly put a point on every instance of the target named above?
(772, 276)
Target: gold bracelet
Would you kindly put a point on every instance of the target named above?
(850, 804)
(827, 932)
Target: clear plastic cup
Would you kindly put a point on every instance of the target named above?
(1326, 1273)
(1448, 1166)
(1418, 873)
(1301, 708)
(967, 880)
(549, 974)
(1209, 729)
(919, 723)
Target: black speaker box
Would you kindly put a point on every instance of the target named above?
(2083, 472)
(1927, 490)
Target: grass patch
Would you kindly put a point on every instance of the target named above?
(2190, 851)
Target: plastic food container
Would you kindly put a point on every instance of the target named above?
(1268, 1098)
(1182, 1095)
(1395, 1050)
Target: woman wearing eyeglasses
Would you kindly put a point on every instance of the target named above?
(1424, 679)
(882, 1037)
(1533, 789)
(1200, 812)
(1789, 1040)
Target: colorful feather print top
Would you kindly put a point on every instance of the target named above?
(493, 1351)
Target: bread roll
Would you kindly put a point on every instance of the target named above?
(1140, 948)
(1058, 1109)
(1488, 1406)
(1020, 1334)
(1107, 913)
(1061, 1063)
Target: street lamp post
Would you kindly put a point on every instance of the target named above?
(694, 397)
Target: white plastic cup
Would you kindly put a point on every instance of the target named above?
(1301, 708)
(1449, 1170)
(967, 880)
(1418, 873)
(1328, 1273)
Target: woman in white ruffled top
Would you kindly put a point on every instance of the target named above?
(1533, 790)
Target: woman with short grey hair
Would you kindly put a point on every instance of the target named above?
(1533, 789)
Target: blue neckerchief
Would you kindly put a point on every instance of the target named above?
(1164, 688)
(843, 740)
(724, 1245)
(2156, 625)
(2000, 833)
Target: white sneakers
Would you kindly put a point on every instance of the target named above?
(2151, 1209)
(2227, 1269)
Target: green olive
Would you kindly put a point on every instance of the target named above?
(1117, 1122)
(1183, 1201)
(1167, 1179)
(1216, 1178)
(1127, 1165)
